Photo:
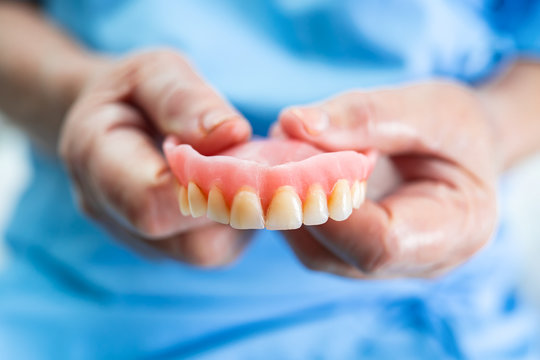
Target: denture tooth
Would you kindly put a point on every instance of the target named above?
(183, 201)
(197, 200)
(217, 208)
(315, 207)
(246, 211)
(358, 193)
(285, 210)
(340, 202)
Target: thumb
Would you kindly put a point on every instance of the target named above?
(431, 119)
(181, 103)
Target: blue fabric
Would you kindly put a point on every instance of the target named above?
(70, 291)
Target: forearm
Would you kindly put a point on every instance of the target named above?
(41, 71)
(513, 103)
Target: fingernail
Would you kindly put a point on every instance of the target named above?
(315, 121)
(214, 118)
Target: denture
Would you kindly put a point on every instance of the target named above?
(272, 183)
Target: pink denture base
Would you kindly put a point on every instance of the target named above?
(265, 165)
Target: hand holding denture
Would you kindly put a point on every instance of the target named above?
(439, 139)
(111, 145)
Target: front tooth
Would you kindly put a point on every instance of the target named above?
(197, 200)
(246, 211)
(285, 210)
(183, 201)
(217, 208)
(358, 193)
(315, 208)
(340, 202)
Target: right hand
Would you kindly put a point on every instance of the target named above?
(110, 145)
(441, 206)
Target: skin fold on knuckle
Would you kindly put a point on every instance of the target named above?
(381, 257)
(149, 207)
(313, 262)
(209, 252)
(362, 110)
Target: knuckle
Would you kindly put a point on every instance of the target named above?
(147, 226)
(181, 100)
(382, 256)
(467, 105)
(163, 57)
(207, 260)
(176, 101)
(360, 108)
(145, 212)
(162, 61)
(208, 254)
(312, 263)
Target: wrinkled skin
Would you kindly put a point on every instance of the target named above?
(440, 206)
(438, 211)
(110, 144)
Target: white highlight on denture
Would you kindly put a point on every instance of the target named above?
(340, 201)
(358, 193)
(285, 211)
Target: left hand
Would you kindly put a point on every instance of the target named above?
(441, 141)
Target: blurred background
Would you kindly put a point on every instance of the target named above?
(522, 184)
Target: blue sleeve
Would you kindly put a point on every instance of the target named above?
(519, 21)
(527, 35)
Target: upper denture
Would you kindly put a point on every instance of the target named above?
(264, 167)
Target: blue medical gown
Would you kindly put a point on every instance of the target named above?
(71, 291)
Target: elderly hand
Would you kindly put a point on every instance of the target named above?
(110, 144)
(442, 207)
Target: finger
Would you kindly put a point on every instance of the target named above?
(125, 173)
(432, 120)
(210, 246)
(316, 257)
(421, 228)
(277, 132)
(206, 246)
(179, 102)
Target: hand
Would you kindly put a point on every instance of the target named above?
(110, 145)
(442, 207)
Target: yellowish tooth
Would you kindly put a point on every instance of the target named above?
(285, 210)
(183, 201)
(315, 207)
(197, 200)
(246, 211)
(217, 207)
(358, 193)
(340, 202)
